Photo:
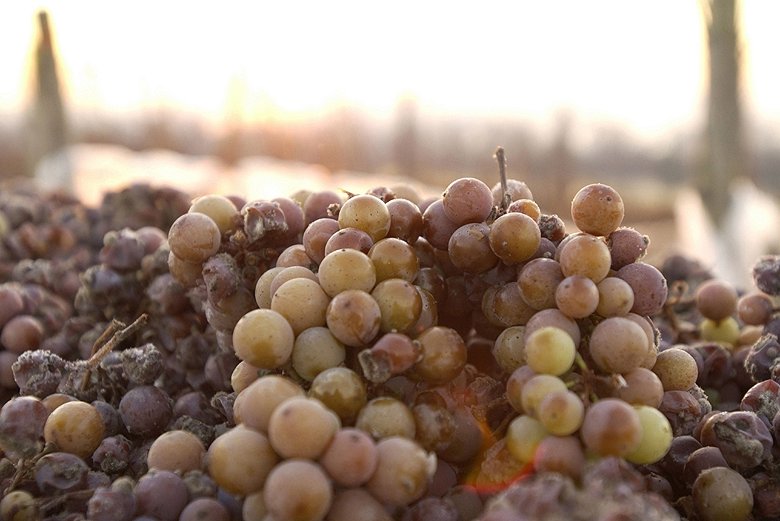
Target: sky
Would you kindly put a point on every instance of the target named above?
(639, 64)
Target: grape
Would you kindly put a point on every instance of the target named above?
(443, 355)
(514, 237)
(246, 474)
(561, 454)
(550, 350)
(676, 369)
(515, 188)
(356, 503)
(176, 450)
(365, 212)
(577, 296)
(194, 237)
(293, 217)
(597, 209)
(286, 274)
(75, 427)
(509, 348)
(700, 460)
(221, 210)
(538, 280)
(354, 317)
(649, 287)
(145, 410)
(616, 298)
(385, 417)
(716, 299)
(263, 287)
(316, 205)
(346, 269)
(11, 303)
(113, 455)
(470, 250)
(161, 494)
(394, 258)
(523, 437)
(642, 387)
(754, 308)
(504, 306)
(405, 220)
(618, 345)
(341, 390)
(527, 207)
(243, 375)
(741, 436)
(611, 428)
(263, 338)
(536, 389)
(254, 507)
(553, 317)
(22, 333)
(186, 273)
(434, 422)
(656, 436)
(725, 331)
(295, 256)
(60, 472)
(721, 494)
(349, 238)
(254, 405)
(561, 412)
(403, 471)
(552, 227)
(264, 221)
(585, 255)
(111, 504)
(302, 302)
(437, 227)
(467, 200)
(399, 303)
(351, 458)
(298, 490)
(392, 354)
(22, 421)
(315, 350)
(316, 235)
(626, 245)
(515, 384)
(301, 428)
(204, 509)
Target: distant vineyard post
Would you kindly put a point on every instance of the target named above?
(723, 149)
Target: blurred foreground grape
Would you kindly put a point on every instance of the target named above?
(330, 356)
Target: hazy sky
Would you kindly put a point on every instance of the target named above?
(638, 63)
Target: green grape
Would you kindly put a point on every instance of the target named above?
(725, 331)
(656, 436)
(561, 412)
(536, 389)
(550, 350)
(523, 437)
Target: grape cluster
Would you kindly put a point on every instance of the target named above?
(332, 356)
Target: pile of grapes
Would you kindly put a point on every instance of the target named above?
(375, 356)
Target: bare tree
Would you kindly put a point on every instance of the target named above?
(723, 148)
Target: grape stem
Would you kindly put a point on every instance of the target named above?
(114, 334)
(505, 197)
(24, 467)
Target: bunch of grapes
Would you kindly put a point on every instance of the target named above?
(379, 356)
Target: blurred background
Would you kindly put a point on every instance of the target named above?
(673, 102)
